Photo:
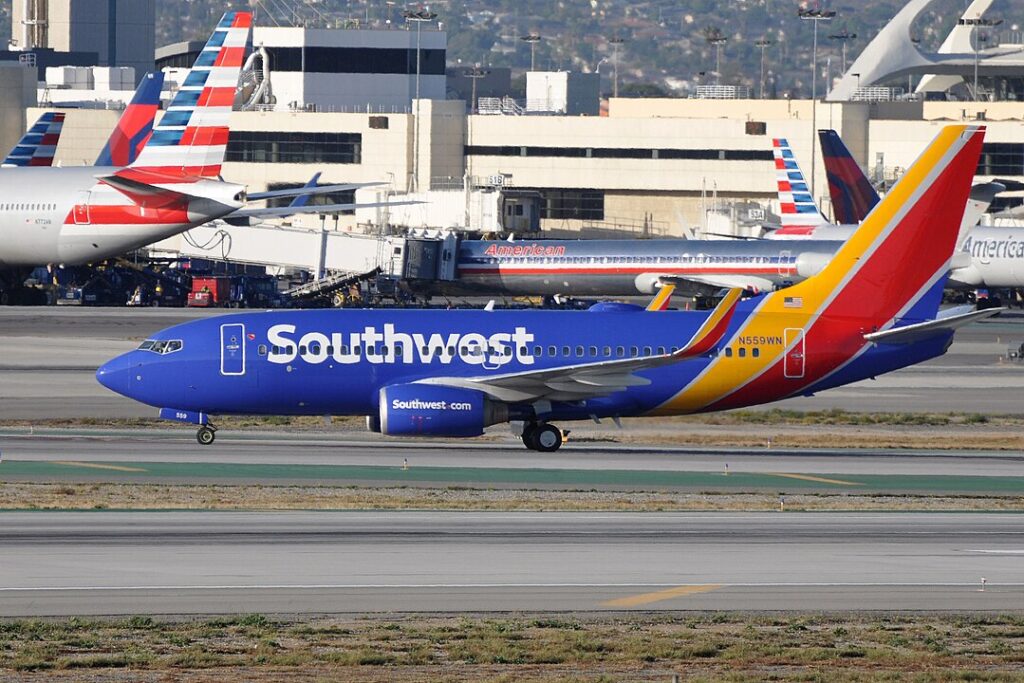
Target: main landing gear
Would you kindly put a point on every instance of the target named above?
(206, 435)
(543, 437)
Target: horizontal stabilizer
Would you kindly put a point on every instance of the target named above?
(913, 333)
(302, 191)
(282, 211)
(144, 194)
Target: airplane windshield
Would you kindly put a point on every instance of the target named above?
(161, 346)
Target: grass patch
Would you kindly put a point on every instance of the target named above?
(821, 647)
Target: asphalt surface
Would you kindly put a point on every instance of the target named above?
(96, 563)
(253, 448)
(48, 357)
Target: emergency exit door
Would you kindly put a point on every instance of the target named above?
(794, 363)
(232, 349)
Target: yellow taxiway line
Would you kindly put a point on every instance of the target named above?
(659, 596)
(98, 466)
(822, 480)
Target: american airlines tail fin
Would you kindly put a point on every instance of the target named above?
(853, 197)
(38, 146)
(192, 136)
(800, 215)
(135, 125)
(894, 267)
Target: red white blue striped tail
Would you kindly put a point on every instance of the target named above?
(800, 215)
(192, 135)
(39, 145)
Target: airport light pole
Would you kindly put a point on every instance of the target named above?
(616, 42)
(597, 70)
(714, 36)
(844, 37)
(419, 17)
(978, 39)
(533, 39)
(475, 73)
(762, 43)
(815, 16)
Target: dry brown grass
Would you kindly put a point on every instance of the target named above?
(641, 647)
(75, 496)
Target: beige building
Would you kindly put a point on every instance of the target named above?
(663, 162)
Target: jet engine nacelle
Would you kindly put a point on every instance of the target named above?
(431, 410)
(810, 263)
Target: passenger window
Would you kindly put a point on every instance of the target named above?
(330, 350)
(579, 352)
(675, 349)
(538, 351)
(566, 351)
(593, 350)
(728, 352)
(344, 349)
(648, 351)
(607, 352)
(523, 351)
(314, 348)
(302, 350)
(634, 351)
(620, 351)
(261, 349)
(755, 352)
(357, 350)
(743, 352)
(552, 351)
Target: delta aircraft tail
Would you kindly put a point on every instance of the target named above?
(39, 145)
(135, 125)
(192, 136)
(852, 195)
(800, 215)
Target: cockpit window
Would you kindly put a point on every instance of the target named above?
(161, 346)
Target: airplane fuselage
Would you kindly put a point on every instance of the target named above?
(66, 216)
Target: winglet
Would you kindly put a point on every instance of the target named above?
(663, 298)
(714, 328)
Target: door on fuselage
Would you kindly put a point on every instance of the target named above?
(795, 361)
(232, 349)
(81, 210)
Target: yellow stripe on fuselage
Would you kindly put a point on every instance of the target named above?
(723, 375)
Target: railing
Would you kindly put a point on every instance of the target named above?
(877, 93)
(723, 92)
(498, 106)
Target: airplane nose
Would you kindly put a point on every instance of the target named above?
(115, 375)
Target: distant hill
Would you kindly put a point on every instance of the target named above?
(665, 46)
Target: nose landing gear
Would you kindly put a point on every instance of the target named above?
(206, 434)
(544, 437)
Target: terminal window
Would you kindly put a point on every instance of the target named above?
(331, 198)
(572, 204)
(1001, 158)
(294, 148)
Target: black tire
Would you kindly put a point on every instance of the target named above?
(205, 436)
(547, 438)
(530, 436)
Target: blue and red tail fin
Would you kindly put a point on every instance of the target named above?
(38, 145)
(853, 197)
(192, 136)
(895, 265)
(800, 215)
(135, 125)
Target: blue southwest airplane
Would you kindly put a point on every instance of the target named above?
(873, 309)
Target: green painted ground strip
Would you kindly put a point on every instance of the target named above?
(447, 476)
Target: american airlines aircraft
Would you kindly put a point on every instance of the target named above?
(78, 215)
(872, 309)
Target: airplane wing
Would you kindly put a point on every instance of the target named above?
(912, 333)
(307, 190)
(706, 285)
(591, 380)
(324, 208)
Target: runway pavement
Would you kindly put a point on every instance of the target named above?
(48, 357)
(175, 457)
(97, 563)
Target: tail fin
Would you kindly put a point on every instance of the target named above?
(135, 125)
(800, 215)
(193, 134)
(38, 146)
(893, 268)
(853, 197)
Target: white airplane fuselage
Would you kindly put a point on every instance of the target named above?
(67, 216)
